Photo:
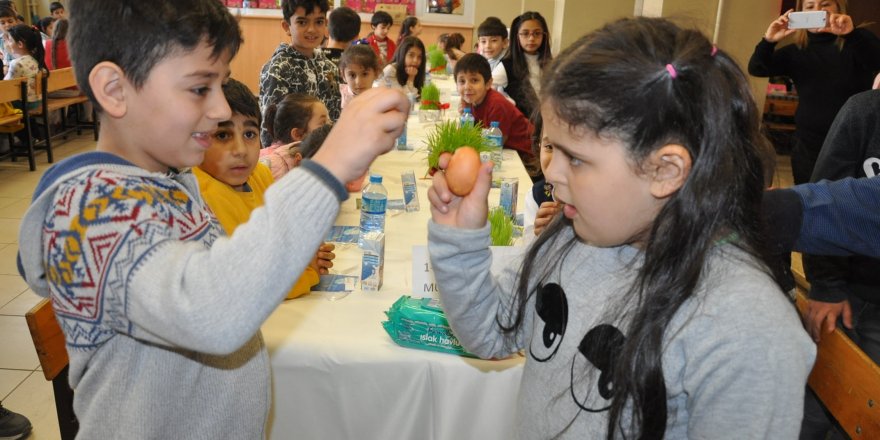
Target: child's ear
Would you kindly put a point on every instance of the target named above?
(489, 83)
(669, 167)
(297, 134)
(297, 158)
(108, 83)
(286, 26)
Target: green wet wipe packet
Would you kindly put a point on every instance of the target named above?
(420, 323)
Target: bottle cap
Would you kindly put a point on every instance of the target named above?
(495, 124)
(375, 178)
(467, 110)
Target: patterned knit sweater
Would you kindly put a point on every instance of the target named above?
(160, 313)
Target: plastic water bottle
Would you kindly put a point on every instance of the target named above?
(412, 102)
(245, 7)
(496, 140)
(467, 117)
(401, 140)
(374, 199)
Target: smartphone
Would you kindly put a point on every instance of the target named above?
(807, 20)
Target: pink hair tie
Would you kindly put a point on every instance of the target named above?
(714, 50)
(671, 69)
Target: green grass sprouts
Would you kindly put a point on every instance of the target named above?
(437, 60)
(448, 135)
(501, 227)
(430, 97)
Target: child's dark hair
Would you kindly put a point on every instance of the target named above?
(313, 141)
(30, 37)
(54, 6)
(362, 55)
(60, 34)
(406, 27)
(7, 11)
(680, 90)
(44, 23)
(153, 32)
(399, 60)
(537, 135)
(492, 27)
(473, 63)
(517, 54)
(293, 111)
(241, 100)
(453, 41)
(289, 7)
(381, 17)
(344, 24)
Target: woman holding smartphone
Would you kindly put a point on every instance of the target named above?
(827, 66)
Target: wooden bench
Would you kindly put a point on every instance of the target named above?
(58, 80)
(15, 90)
(844, 377)
(49, 343)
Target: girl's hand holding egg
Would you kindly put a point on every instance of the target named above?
(459, 195)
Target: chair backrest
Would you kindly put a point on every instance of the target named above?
(10, 90)
(60, 79)
(48, 339)
(845, 379)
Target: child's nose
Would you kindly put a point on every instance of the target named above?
(218, 108)
(240, 149)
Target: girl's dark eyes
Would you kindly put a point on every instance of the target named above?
(222, 135)
(250, 134)
(201, 91)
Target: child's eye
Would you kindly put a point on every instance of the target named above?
(573, 161)
(251, 134)
(548, 147)
(222, 135)
(201, 91)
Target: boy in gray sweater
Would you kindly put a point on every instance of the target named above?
(160, 312)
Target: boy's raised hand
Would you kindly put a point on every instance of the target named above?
(367, 128)
(468, 212)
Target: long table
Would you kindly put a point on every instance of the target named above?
(338, 375)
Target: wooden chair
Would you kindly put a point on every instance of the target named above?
(845, 378)
(63, 79)
(49, 342)
(60, 79)
(13, 90)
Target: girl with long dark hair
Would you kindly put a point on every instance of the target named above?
(406, 71)
(528, 55)
(646, 310)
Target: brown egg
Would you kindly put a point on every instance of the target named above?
(461, 173)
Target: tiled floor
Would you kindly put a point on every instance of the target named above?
(23, 388)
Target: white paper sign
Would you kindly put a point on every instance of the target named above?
(423, 285)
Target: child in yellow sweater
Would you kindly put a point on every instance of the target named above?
(232, 181)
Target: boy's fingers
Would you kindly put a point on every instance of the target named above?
(384, 99)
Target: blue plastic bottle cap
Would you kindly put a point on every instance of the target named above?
(495, 124)
(375, 178)
(467, 110)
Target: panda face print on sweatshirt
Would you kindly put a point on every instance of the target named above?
(598, 349)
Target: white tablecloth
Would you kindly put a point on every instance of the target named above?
(338, 375)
